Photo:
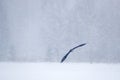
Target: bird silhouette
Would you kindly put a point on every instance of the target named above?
(64, 57)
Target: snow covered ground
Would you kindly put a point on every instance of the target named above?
(57, 71)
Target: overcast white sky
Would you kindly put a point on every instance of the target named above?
(45, 30)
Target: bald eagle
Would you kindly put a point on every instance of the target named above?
(64, 57)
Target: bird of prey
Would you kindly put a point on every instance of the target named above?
(63, 59)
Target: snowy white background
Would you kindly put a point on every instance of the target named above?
(57, 71)
(44, 30)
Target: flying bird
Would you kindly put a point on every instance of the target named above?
(63, 59)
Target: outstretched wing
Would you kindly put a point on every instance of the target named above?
(63, 59)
